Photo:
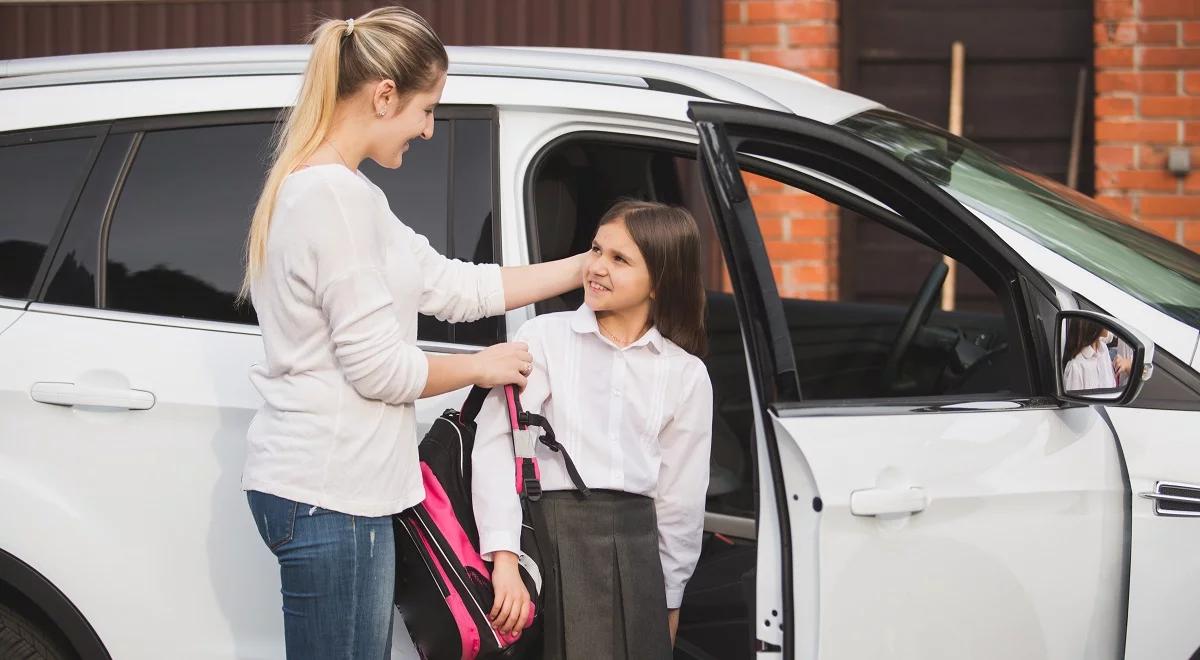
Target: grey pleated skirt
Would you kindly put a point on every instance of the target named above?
(605, 598)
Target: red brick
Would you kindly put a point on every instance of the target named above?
(1191, 182)
(1137, 131)
(1114, 158)
(1191, 233)
(1191, 33)
(1119, 203)
(799, 10)
(752, 35)
(1170, 205)
(788, 202)
(1157, 82)
(1136, 180)
(1151, 157)
(800, 275)
(1115, 34)
(772, 229)
(1170, 8)
(1114, 58)
(734, 53)
(812, 228)
(1170, 106)
(798, 59)
(812, 35)
(733, 12)
(784, 251)
(755, 183)
(1110, 10)
(1158, 33)
(1171, 57)
(1168, 229)
(1114, 106)
(1191, 82)
(1191, 132)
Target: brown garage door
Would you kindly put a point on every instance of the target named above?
(34, 29)
(1023, 59)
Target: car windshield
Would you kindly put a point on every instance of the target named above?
(1162, 274)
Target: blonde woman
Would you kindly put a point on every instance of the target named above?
(337, 281)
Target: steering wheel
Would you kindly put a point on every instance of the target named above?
(918, 314)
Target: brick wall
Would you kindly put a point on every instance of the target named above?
(800, 229)
(1148, 100)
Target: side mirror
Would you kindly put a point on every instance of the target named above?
(1099, 360)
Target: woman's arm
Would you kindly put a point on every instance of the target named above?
(501, 364)
(524, 285)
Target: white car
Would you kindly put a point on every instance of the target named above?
(888, 479)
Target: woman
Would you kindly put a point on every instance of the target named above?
(621, 383)
(337, 281)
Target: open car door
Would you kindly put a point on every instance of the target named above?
(983, 525)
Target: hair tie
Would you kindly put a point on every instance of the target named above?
(349, 26)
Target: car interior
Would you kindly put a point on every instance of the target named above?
(844, 350)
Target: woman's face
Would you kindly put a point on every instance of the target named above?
(393, 132)
(616, 278)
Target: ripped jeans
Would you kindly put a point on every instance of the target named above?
(338, 575)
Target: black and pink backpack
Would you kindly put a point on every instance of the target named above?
(443, 586)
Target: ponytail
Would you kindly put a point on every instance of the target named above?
(389, 43)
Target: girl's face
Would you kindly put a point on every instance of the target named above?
(616, 278)
(393, 132)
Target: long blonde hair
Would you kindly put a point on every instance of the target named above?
(388, 43)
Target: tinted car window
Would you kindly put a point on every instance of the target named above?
(177, 232)
(175, 241)
(38, 183)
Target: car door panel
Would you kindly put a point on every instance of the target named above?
(1014, 553)
(941, 528)
(1162, 446)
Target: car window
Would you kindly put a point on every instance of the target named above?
(177, 231)
(38, 182)
(1163, 274)
(176, 236)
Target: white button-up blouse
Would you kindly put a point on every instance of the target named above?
(637, 419)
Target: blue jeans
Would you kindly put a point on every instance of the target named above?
(338, 575)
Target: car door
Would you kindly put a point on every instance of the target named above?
(983, 526)
(1160, 438)
(125, 383)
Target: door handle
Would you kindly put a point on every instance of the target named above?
(70, 394)
(877, 501)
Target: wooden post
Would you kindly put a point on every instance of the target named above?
(957, 61)
(1077, 131)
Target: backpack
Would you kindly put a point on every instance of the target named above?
(443, 586)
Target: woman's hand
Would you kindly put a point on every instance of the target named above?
(503, 364)
(510, 609)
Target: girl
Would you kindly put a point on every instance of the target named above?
(337, 281)
(1089, 365)
(620, 382)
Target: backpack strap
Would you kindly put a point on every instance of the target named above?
(473, 404)
(528, 475)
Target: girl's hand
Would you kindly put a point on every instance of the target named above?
(503, 364)
(673, 623)
(510, 609)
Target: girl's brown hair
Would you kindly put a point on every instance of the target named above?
(388, 43)
(1081, 333)
(670, 242)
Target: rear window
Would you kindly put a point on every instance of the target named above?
(38, 183)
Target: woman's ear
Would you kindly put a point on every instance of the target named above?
(385, 93)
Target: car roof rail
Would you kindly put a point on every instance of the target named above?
(543, 63)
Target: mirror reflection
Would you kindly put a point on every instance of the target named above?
(1096, 361)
